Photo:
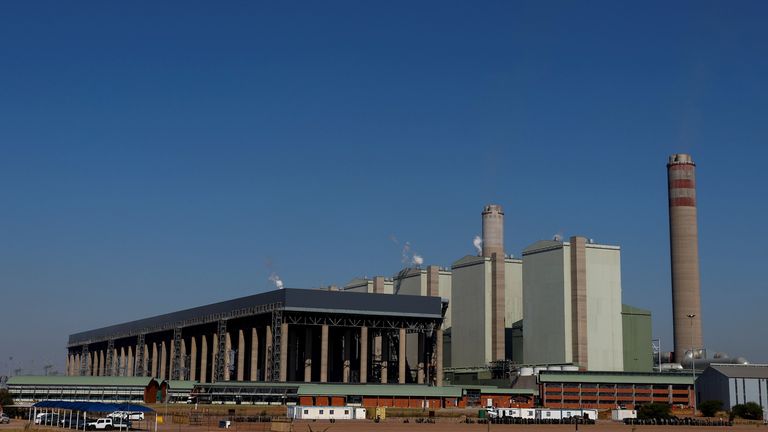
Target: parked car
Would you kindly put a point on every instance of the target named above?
(47, 419)
(75, 422)
(4, 418)
(108, 423)
(121, 424)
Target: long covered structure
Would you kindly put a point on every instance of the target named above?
(288, 335)
(607, 390)
(28, 389)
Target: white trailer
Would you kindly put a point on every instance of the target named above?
(561, 414)
(621, 414)
(549, 414)
(503, 412)
(326, 412)
(522, 413)
(583, 413)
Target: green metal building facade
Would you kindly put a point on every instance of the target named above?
(636, 329)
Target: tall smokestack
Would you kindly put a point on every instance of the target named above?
(684, 245)
(493, 247)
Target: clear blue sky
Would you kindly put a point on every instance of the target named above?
(161, 156)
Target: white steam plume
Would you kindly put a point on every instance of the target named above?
(276, 280)
(405, 254)
(478, 243)
(408, 257)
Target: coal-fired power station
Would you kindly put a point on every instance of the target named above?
(684, 251)
(493, 248)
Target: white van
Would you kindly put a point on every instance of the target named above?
(127, 415)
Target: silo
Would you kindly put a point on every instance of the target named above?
(493, 248)
(684, 251)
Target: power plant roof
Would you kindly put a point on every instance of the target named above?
(289, 299)
(742, 370)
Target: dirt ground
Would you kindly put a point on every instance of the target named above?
(442, 426)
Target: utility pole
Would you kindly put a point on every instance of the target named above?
(693, 365)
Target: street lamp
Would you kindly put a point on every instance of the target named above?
(693, 368)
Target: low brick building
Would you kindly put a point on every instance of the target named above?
(606, 390)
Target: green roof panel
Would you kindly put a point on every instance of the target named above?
(61, 380)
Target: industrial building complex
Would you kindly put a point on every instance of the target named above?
(279, 336)
(547, 328)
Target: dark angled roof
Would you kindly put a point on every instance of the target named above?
(290, 299)
(742, 370)
(468, 260)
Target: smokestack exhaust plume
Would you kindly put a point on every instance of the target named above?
(493, 247)
(684, 252)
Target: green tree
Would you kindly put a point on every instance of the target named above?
(5, 401)
(654, 410)
(747, 411)
(711, 407)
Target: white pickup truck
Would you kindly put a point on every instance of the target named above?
(107, 423)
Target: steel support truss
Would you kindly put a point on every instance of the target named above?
(277, 336)
(109, 367)
(84, 354)
(410, 325)
(221, 353)
(139, 366)
(176, 355)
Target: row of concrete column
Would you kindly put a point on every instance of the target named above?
(157, 358)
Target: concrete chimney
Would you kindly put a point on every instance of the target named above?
(493, 248)
(433, 281)
(378, 284)
(684, 248)
(580, 346)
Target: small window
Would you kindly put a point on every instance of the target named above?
(306, 411)
(549, 413)
(321, 411)
(331, 411)
(346, 412)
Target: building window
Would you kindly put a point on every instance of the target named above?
(331, 412)
(306, 411)
(321, 411)
(346, 412)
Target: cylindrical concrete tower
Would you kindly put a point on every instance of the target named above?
(493, 248)
(493, 230)
(684, 245)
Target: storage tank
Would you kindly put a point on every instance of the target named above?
(670, 366)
